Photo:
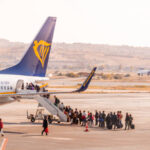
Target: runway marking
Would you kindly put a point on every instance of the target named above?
(3, 145)
(61, 138)
(53, 138)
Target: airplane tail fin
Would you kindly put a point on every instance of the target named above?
(86, 83)
(35, 60)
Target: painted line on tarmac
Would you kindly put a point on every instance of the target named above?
(4, 143)
(53, 138)
(61, 138)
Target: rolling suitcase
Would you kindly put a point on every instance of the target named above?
(132, 126)
(119, 125)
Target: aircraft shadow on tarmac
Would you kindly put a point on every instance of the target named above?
(22, 123)
(35, 123)
(61, 124)
(12, 132)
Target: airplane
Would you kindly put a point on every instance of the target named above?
(32, 68)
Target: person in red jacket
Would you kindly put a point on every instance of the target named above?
(1, 127)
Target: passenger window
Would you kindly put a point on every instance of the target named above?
(10, 87)
(7, 87)
(4, 87)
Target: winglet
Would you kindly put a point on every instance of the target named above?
(86, 83)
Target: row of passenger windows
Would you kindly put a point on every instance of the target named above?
(6, 88)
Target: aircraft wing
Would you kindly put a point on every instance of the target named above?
(83, 87)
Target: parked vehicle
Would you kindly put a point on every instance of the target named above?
(39, 115)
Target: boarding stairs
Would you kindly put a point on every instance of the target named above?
(46, 102)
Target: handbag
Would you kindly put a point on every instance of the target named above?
(46, 130)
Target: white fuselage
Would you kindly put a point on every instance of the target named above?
(8, 84)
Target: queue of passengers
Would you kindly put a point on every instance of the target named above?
(111, 120)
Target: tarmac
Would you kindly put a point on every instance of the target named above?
(23, 135)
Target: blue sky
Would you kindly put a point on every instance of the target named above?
(114, 22)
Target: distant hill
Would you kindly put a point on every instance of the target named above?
(82, 57)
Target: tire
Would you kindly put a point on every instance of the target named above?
(32, 119)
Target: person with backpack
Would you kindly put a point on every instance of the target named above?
(57, 101)
(131, 122)
(96, 118)
(108, 121)
(103, 119)
(114, 120)
(127, 121)
(80, 117)
(100, 119)
(84, 118)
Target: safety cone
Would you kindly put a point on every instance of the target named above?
(86, 128)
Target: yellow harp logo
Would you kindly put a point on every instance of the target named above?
(41, 50)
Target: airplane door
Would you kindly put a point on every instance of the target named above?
(19, 85)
